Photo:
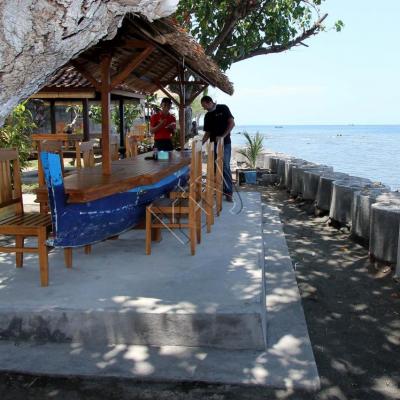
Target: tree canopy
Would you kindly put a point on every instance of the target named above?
(235, 30)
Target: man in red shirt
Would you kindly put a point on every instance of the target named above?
(163, 125)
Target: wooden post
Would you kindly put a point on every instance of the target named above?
(182, 105)
(53, 126)
(105, 112)
(182, 125)
(121, 122)
(85, 115)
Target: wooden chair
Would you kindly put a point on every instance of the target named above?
(139, 131)
(168, 213)
(219, 175)
(114, 147)
(21, 225)
(208, 192)
(86, 149)
(60, 127)
(208, 188)
(131, 145)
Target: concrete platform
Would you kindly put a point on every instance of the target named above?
(168, 316)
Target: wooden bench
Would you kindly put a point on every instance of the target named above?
(21, 224)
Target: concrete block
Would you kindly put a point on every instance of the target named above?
(324, 193)
(298, 177)
(361, 210)
(384, 228)
(311, 181)
(289, 171)
(268, 179)
(342, 198)
(397, 271)
(281, 170)
(272, 163)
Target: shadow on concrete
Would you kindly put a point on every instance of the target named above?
(352, 310)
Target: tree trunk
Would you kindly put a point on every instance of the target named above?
(188, 122)
(37, 37)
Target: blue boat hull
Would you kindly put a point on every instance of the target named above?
(80, 224)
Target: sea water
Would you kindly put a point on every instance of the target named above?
(368, 151)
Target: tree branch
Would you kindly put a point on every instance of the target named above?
(241, 9)
(280, 48)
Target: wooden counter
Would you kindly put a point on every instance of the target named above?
(89, 184)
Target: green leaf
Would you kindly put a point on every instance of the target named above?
(253, 149)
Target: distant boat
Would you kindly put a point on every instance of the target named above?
(278, 126)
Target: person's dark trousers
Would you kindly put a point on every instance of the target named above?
(163, 145)
(227, 175)
(227, 170)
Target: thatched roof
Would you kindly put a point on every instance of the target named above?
(173, 48)
(69, 79)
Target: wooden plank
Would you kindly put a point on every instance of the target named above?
(8, 154)
(53, 125)
(18, 249)
(43, 258)
(119, 78)
(165, 91)
(91, 184)
(5, 184)
(63, 137)
(65, 94)
(85, 117)
(121, 121)
(195, 94)
(86, 74)
(135, 44)
(171, 82)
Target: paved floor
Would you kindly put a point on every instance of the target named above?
(230, 314)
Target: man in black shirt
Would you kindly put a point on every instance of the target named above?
(218, 122)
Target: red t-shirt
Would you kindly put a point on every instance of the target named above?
(163, 133)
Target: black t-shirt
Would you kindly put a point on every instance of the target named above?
(216, 122)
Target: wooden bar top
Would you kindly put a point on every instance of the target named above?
(89, 184)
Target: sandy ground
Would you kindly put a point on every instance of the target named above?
(352, 310)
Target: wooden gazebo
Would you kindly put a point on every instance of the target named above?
(68, 84)
(142, 58)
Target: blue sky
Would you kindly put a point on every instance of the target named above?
(342, 78)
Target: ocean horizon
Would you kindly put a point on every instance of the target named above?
(368, 151)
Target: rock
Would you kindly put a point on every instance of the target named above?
(37, 37)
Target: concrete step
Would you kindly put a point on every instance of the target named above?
(118, 295)
(275, 368)
(232, 314)
(109, 327)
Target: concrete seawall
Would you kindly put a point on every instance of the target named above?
(369, 209)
